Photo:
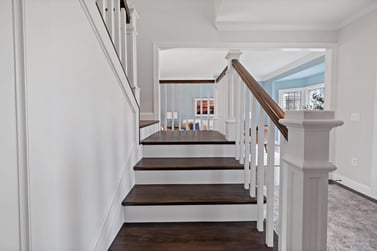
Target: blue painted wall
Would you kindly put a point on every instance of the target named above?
(287, 80)
(188, 94)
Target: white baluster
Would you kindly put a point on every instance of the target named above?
(166, 107)
(247, 139)
(123, 38)
(186, 105)
(253, 164)
(117, 32)
(132, 54)
(193, 94)
(270, 184)
(242, 121)
(201, 106)
(238, 91)
(260, 178)
(180, 106)
(208, 106)
(172, 106)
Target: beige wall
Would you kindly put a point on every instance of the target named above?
(9, 206)
(192, 22)
(357, 64)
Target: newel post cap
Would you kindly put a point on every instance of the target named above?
(308, 143)
(311, 120)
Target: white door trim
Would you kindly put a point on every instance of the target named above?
(164, 45)
(21, 124)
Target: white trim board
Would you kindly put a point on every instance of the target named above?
(115, 217)
(191, 213)
(171, 151)
(22, 125)
(361, 188)
(373, 178)
(190, 177)
(157, 45)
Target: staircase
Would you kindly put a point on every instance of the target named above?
(184, 177)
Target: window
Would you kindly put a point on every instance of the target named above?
(305, 98)
(204, 106)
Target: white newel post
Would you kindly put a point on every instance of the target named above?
(132, 53)
(304, 176)
(232, 76)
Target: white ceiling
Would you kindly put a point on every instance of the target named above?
(197, 63)
(289, 14)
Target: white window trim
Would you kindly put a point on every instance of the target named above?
(304, 92)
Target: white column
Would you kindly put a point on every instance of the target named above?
(132, 54)
(304, 180)
(230, 121)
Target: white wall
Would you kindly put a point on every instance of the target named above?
(9, 219)
(82, 129)
(192, 22)
(357, 64)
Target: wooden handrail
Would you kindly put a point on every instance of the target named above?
(272, 109)
(187, 81)
(123, 4)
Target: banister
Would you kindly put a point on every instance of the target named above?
(272, 109)
(123, 4)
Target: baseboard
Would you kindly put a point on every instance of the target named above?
(147, 116)
(115, 217)
(360, 188)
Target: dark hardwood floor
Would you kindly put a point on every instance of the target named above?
(196, 194)
(144, 123)
(186, 137)
(214, 236)
(188, 164)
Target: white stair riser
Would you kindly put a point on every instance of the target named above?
(190, 177)
(191, 213)
(147, 131)
(176, 151)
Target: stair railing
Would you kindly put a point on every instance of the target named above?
(188, 104)
(257, 110)
(252, 118)
(120, 23)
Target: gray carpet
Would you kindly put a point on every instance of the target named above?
(352, 221)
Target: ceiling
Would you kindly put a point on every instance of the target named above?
(198, 63)
(289, 14)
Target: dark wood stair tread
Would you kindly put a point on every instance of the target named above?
(145, 123)
(191, 236)
(193, 194)
(186, 138)
(155, 164)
